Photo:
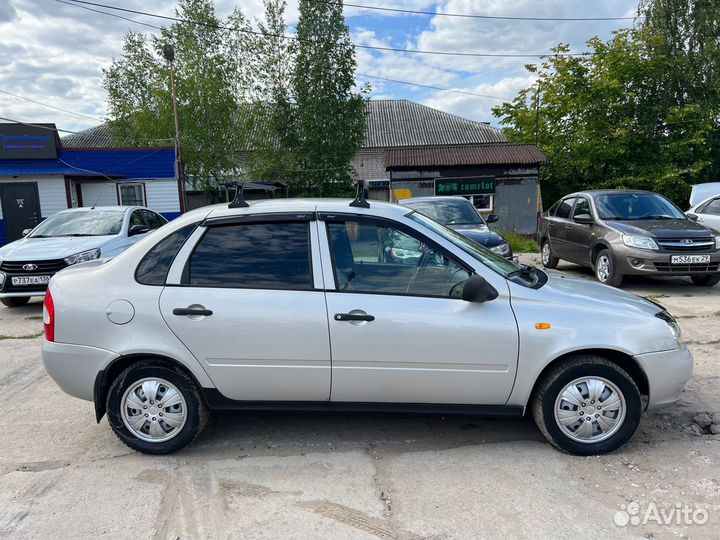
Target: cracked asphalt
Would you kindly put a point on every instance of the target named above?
(311, 476)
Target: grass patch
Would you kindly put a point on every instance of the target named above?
(520, 243)
(34, 318)
(656, 297)
(29, 336)
(717, 313)
(686, 316)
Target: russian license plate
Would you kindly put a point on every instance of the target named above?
(690, 259)
(30, 280)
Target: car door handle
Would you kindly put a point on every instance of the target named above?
(353, 317)
(192, 311)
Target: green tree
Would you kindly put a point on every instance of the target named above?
(329, 117)
(630, 115)
(208, 78)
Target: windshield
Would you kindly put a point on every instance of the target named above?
(83, 223)
(499, 264)
(634, 206)
(448, 212)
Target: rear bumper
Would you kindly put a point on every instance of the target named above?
(667, 372)
(75, 367)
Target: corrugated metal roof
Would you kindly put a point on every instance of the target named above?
(390, 123)
(128, 163)
(481, 154)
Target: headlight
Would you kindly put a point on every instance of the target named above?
(672, 323)
(717, 244)
(400, 253)
(2, 278)
(84, 256)
(502, 249)
(642, 242)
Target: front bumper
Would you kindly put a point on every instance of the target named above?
(75, 367)
(633, 261)
(667, 372)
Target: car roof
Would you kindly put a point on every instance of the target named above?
(277, 206)
(594, 192)
(434, 198)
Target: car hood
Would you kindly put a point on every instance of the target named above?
(480, 234)
(32, 249)
(592, 294)
(661, 228)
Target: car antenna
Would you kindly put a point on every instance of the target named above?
(239, 200)
(360, 201)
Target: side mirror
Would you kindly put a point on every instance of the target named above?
(477, 289)
(26, 232)
(492, 218)
(692, 217)
(585, 219)
(137, 229)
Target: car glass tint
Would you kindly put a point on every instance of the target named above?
(136, 219)
(155, 265)
(153, 220)
(582, 207)
(563, 211)
(370, 258)
(635, 206)
(256, 256)
(459, 212)
(712, 208)
(553, 208)
(81, 223)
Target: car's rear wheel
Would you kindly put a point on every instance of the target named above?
(707, 280)
(155, 408)
(15, 301)
(548, 259)
(587, 405)
(605, 270)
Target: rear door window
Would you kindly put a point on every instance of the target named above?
(155, 265)
(253, 256)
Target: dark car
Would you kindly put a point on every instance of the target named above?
(460, 215)
(623, 232)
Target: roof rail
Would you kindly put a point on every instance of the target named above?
(360, 201)
(239, 200)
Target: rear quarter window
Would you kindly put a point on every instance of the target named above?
(155, 265)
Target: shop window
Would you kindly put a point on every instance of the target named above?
(131, 194)
(484, 203)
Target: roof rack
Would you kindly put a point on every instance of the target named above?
(360, 201)
(239, 200)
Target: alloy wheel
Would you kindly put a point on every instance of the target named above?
(602, 268)
(546, 253)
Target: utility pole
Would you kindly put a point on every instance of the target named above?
(537, 113)
(169, 54)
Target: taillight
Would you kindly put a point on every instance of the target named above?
(49, 317)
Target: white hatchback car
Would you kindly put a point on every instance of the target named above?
(69, 237)
(297, 304)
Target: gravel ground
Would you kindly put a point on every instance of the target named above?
(362, 475)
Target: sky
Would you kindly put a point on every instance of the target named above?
(53, 53)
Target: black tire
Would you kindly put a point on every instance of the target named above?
(549, 260)
(706, 280)
(614, 278)
(555, 381)
(15, 301)
(196, 415)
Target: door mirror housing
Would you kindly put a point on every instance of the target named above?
(692, 217)
(26, 232)
(477, 289)
(585, 219)
(492, 218)
(137, 229)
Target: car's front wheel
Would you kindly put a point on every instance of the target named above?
(548, 259)
(15, 301)
(155, 408)
(587, 405)
(706, 280)
(605, 270)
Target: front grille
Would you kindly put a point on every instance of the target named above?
(43, 267)
(687, 244)
(690, 268)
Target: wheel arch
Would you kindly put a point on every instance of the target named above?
(619, 358)
(104, 378)
(597, 248)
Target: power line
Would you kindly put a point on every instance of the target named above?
(465, 92)
(50, 106)
(111, 14)
(473, 16)
(295, 38)
(37, 125)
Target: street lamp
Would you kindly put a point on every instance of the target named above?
(168, 52)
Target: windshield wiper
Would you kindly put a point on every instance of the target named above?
(78, 234)
(525, 269)
(660, 217)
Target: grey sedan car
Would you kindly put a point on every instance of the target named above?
(623, 232)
